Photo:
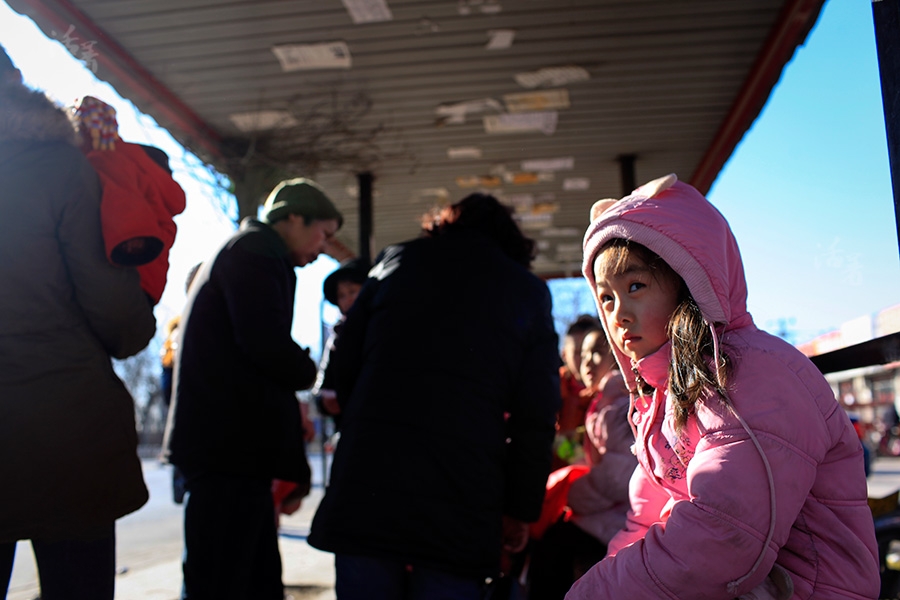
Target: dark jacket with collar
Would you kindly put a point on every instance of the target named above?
(447, 337)
(237, 369)
(67, 434)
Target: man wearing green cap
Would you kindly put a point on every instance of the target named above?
(235, 423)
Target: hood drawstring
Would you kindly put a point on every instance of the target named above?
(641, 386)
(720, 364)
(640, 391)
(720, 380)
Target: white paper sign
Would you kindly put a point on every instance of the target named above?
(544, 122)
(368, 11)
(302, 57)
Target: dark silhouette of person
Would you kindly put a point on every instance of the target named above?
(448, 380)
(67, 429)
(235, 423)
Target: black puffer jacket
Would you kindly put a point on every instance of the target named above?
(447, 336)
(67, 433)
(237, 367)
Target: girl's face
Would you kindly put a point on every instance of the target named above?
(347, 291)
(596, 359)
(636, 305)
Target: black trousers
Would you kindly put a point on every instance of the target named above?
(559, 558)
(367, 578)
(230, 540)
(73, 569)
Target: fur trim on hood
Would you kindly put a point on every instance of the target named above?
(28, 115)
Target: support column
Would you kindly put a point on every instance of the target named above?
(886, 14)
(365, 216)
(626, 172)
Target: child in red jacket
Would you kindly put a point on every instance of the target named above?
(140, 198)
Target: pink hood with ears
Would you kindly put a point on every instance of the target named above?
(676, 222)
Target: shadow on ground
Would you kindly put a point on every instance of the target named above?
(306, 592)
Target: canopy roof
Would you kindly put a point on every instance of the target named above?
(547, 104)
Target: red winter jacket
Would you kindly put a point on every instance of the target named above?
(139, 201)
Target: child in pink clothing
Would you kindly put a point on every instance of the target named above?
(750, 481)
(599, 500)
(597, 495)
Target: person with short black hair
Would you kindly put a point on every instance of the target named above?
(448, 381)
(340, 288)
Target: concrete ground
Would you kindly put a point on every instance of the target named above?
(149, 550)
(309, 573)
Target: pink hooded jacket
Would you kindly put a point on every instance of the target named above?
(770, 489)
(599, 500)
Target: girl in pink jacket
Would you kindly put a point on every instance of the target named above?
(750, 480)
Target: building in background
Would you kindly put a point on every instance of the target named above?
(869, 393)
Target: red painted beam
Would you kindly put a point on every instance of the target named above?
(791, 28)
(130, 75)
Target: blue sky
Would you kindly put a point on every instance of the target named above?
(807, 192)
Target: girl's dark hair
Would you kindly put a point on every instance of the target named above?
(485, 214)
(692, 370)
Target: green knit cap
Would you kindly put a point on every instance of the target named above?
(300, 197)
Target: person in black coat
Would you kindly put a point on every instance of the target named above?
(340, 288)
(70, 466)
(235, 424)
(449, 385)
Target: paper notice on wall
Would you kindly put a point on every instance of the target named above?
(552, 76)
(455, 113)
(263, 120)
(566, 163)
(532, 101)
(500, 39)
(544, 122)
(534, 220)
(576, 184)
(368, 11)
(461, 152)
(300, 57)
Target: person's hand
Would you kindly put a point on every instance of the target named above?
(515, 538)
(777, 586)
(515, 534)
(309, 430)
(291, 505)
(329, 402)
